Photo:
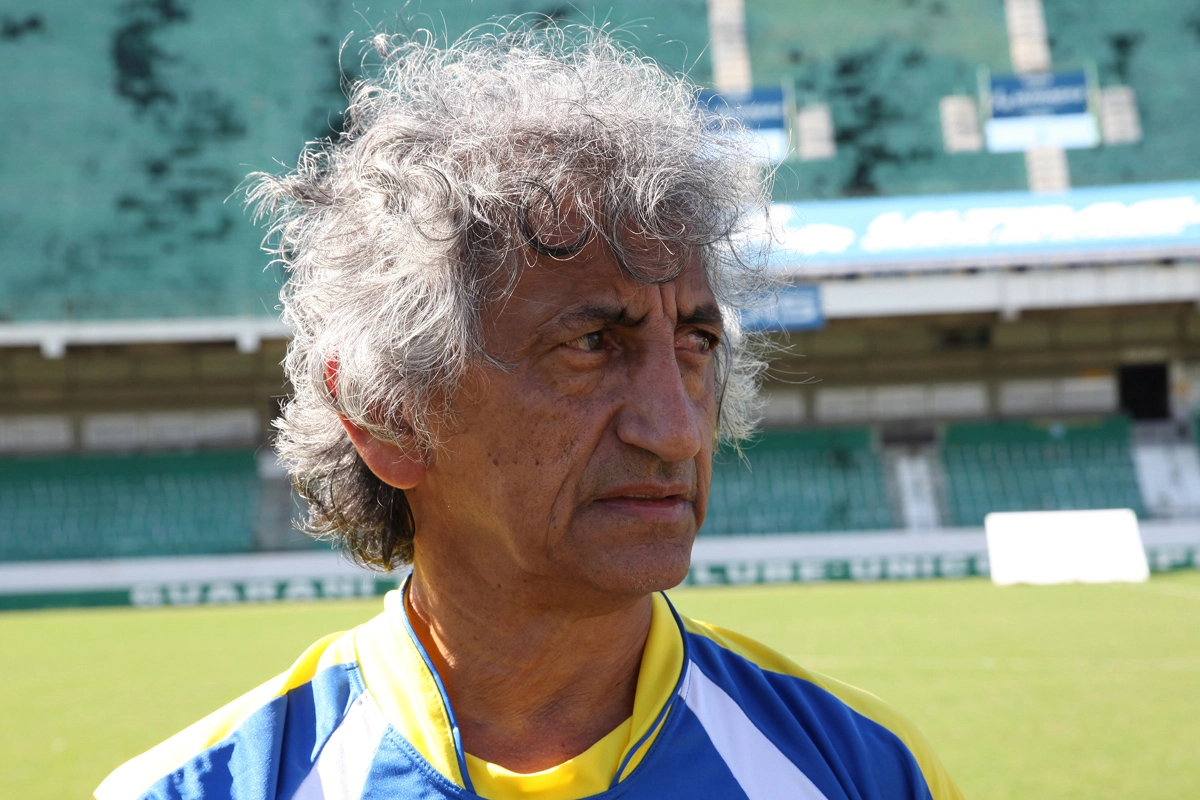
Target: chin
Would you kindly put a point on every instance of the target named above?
(642, 568)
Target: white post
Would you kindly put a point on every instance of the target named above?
(730, 53)
(1029, 47)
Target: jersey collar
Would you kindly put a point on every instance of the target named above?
(400, 676)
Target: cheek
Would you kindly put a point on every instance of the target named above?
(706, 409)
(539, 440)
(701, 388)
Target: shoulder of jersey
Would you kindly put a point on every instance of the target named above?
(240, 749)
(242, 739)
(742, 667)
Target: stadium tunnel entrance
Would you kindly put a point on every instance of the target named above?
(1144, 391)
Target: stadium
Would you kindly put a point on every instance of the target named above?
(986, 226)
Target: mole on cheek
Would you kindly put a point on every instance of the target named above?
(495, 462)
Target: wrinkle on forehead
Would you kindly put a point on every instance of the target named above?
(591, 283)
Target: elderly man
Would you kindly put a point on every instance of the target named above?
(515, 284)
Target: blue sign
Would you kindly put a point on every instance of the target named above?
(929, 233)
(1042, 95)
(1044, 110)
(761, 108)
(796, 308)
(761, 111)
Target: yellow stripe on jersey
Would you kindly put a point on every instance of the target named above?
(589, 773)
(134, 777)
(592, 771)
(865, 703)
(662, 664)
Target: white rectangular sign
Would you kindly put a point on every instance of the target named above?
(1017, 134)
(1046, 547)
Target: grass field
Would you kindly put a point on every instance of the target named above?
(1053, 692)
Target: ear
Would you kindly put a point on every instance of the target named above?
(390, 463)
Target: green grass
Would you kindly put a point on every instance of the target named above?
(1053, 692)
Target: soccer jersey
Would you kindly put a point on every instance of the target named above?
(364, 715)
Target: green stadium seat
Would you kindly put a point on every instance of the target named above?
(127, 505)
(883, 69)
(799, 482)
(125, 205)
(1151, 47)
(1024, 466)
(117, 209)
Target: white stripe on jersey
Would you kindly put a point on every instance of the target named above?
(341, 770)
(760, 769)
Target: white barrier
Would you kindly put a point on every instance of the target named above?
(1048, 547)
(716, 560)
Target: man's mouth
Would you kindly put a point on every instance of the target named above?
(664, 503)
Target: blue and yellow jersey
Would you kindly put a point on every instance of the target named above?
(363, 714)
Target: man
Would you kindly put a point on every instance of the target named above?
(515, 285)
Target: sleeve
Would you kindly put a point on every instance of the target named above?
(941, 786)
(237, 751)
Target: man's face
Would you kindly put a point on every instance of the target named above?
(587, 464)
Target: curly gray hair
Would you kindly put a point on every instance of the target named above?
(398, 233)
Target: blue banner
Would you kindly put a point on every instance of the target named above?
(796, 308)
(761, 108)
(902, 234)
(1043, 110)
(1041, 95)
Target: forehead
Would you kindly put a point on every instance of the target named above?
(549, 287)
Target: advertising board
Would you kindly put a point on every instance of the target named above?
(795, 308)
(999, 229)
(763, 111)
(1040, 110)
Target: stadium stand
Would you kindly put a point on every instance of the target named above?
(833, 479)
(882, 68)
(800, 481)
(147, 123)
(1024, 466)
(1150, 51)
(108, 506)
(149, 115)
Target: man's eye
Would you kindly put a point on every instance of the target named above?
(700, 341)
(589, 341)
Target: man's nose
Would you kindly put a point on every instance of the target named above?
(659, 414)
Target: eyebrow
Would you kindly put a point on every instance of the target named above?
(599, 314)
(594, 314)
(704, 314)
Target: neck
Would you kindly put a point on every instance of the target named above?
(533, 682)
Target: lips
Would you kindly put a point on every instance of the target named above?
(662, 502)
(649, 491)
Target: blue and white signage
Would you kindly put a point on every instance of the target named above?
(796, 308)
(904, 234)
(1043, 95)
(1042, 110)
(762, 112)
(761, 108)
